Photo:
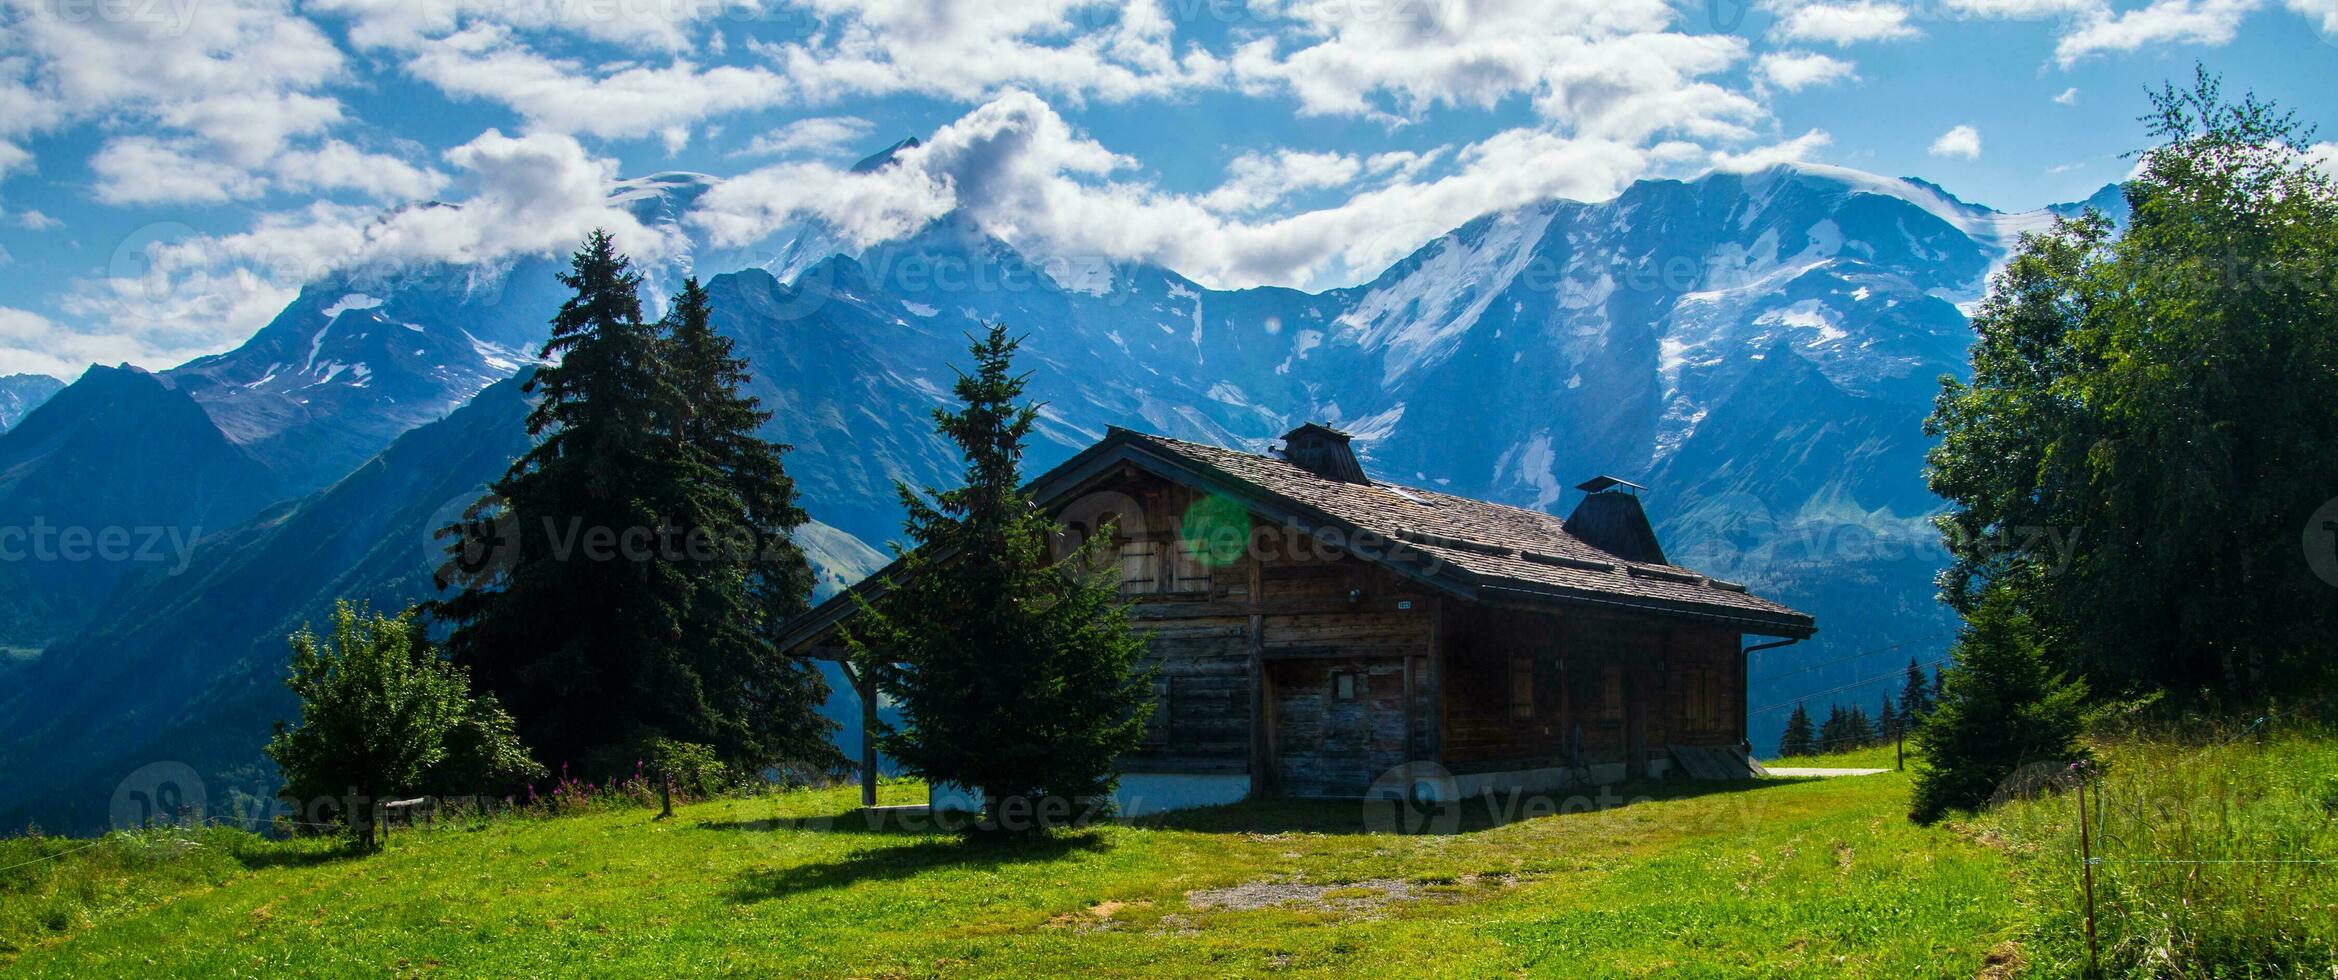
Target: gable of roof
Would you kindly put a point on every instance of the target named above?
(1471, 549)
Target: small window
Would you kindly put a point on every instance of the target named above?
(1522, 687)
(1343, 686)
(1190, 573)
(1140, 567)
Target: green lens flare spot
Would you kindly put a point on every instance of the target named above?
(1215, 529)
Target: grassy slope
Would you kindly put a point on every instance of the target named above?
(1780, 879)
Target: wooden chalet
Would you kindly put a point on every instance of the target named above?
(1324, 634)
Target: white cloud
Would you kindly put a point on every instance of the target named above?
(180, 293)
(1796, 70)
(1076, 49)
(1255, 180)
(618, 99)
(336, 165)
(1959, 141)
(2069, 96)
(1844, 24)
(33, 220)
(1595, 69)
(816, 136)
(665, 25)
(2208, 22)
(145, 170)
(1017, 169)
(242, 74)
(2325, 157)
(2324, 13)
(1800, 149)
(33, 344)
(2022, 9)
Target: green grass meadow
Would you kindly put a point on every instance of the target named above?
(1779, 878)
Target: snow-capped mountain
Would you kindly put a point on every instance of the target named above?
(1758, 348)
(21, 393)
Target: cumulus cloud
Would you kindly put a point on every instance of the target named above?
(1843, 24)
(2323, 13)
(1076, 49)
(223, 101)
(1959, 141)
(1595, 69)
(1255, 180)
(145, 170)
(2069, 96)
(816, 136)
(2209, 22)
(666, 25)
(173, 292)
(1800, 149)
(1018, 170)
(618, 99)
(1797, 70)
(34, 344)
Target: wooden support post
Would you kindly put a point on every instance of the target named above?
(2086, 865)
(865, 684)
(1435, 682)
(1261, 736)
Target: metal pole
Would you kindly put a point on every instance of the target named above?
(2086, 869)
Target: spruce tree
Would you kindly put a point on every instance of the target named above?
(1915, 693)
(1801, 737)
(753, 578)
(1017, 675)
(581, 630)
(1860, 733)
(1887, 721)
(2001, 707)
(1835, 732)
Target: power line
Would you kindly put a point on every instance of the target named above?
(1846, 687)
(1856, 656)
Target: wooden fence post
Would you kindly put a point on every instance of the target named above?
(2086, 870)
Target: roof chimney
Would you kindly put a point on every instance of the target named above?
(1323, 451)
(1610, 519)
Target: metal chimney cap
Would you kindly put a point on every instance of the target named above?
(1604, 482)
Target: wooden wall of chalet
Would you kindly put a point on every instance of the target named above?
(1342, 646)
(1532, 689)
(1348, 651)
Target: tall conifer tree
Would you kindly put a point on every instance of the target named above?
(1017, 674)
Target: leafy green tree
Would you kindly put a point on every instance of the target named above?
(1017, 674)
(381, 715)
(1801, 737)
(2161, 398)
(2002, 706)
(757, 579)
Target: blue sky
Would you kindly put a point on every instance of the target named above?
(172, 170)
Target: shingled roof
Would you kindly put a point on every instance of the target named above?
(1468, 548)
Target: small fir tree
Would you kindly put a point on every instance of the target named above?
(1915, 693)
(2000, 708)
(1801, 737)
